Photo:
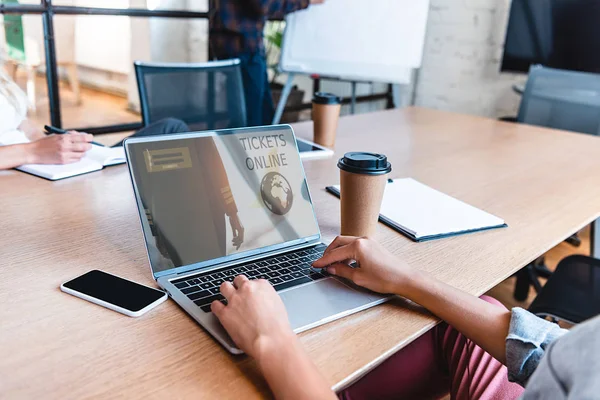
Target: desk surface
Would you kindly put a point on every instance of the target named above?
(544, 183)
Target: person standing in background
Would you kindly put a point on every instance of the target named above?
(236, 31)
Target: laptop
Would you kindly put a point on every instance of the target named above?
(217, 204)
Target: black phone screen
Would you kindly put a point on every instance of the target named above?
(114, 290)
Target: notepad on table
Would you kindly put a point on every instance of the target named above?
(423, 213)
(94, 160)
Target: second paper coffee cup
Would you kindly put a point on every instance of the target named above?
(325, 113)
(363, 177)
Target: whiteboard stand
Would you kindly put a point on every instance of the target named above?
(353, 102)
(287, 89)
(285, 93)
(396, 95)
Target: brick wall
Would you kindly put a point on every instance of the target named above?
(462, 56)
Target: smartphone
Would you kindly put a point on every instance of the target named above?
(115, 293)
(310, 150)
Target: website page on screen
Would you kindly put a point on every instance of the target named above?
(208, 197)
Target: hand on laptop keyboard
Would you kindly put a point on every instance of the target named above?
(254, 316)
(379, 270)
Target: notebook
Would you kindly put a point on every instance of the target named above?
(94, 160)
(422, 213)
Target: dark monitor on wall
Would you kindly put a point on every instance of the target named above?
(562, 34)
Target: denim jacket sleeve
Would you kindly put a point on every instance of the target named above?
(527, 341)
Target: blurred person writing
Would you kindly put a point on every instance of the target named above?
(236, 31)
(42, 149)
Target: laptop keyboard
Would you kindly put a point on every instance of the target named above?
(282, 271)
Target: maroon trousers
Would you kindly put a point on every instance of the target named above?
(440, 362)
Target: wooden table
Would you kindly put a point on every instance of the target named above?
(544, 183)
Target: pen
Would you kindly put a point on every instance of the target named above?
(57, 131)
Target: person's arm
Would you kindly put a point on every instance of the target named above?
(290, 373)
(484, 323)
(31, 130)
(256, 320)
(14, 155)
(516, 338)
(53, 149)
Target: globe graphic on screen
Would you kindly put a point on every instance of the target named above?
(276, 193)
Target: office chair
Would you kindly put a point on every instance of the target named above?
(567, 100)
(572, 293)
(206, 96)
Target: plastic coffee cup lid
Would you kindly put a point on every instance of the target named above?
(365, 163)
(326, 98)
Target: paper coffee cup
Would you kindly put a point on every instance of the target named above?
(325, 113)
(363, 177)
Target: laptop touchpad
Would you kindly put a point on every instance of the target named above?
(323, 301)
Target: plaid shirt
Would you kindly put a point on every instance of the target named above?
(236, 26)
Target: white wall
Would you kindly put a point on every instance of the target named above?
(462, 56)
(169, 36)
(64, 37)
(140, 49)
(166, 39)
(102, 42)
(198, 32)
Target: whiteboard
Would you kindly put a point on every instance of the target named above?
(377, 40)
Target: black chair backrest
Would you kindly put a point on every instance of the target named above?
(559, 99)
(206, 96)
(572, 293)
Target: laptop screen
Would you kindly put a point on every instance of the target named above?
(207, 196)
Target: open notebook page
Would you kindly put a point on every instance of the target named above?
(107, 155)
(94, 160)
(425, 212)
(55, 171)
